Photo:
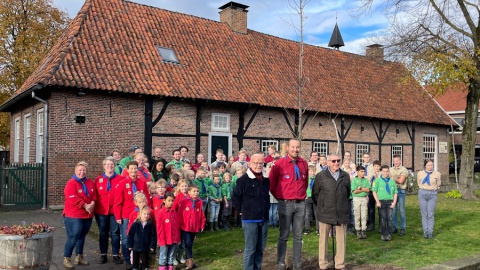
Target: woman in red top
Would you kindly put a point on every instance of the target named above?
(105, 186)
(124, 204)
(77, 214)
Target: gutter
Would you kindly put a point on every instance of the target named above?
(45, 140)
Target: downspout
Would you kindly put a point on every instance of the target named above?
(45, 140)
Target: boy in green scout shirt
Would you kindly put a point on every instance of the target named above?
(385, 194)
(203, 183)
(310, 209)
(227, 190)
(215, 199)
(360, 189)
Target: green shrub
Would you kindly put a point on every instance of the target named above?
(477, 193)
(454, 194)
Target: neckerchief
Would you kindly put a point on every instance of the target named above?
(194, 202)
(297, 170)
(323, 167)
(371, 180)
(109, 185)
(204, 189)
(427, 178)
(82, 181)
(145, 174)
(218, 190)
(311, 183)
(366, 171)
(386, 180)
(159, 175)
(120, 169)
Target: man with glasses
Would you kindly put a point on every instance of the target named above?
(288, 184)
(331, 192)
(252, 199)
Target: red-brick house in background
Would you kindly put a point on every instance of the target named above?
(454, 102)
(128, 74)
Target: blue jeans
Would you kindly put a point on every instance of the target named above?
(188, 237)
(77, 229)
(255, 234)
(310, 212)
(124, 239)
(167, 255)
(214, 210)
(291, 213)
(385, 212)
(107, 224)
(427, 200)
(400, 206)
(272, 214)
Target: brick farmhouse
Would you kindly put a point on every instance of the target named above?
(127, 74)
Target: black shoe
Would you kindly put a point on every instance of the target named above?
(402, 232)
(364, 235)
(117, 259)
(128, 265)
(102, 259)
(307, 231)
(394, 230)
(359, 235)
(281, 266)
(370, 228)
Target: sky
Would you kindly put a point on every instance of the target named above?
(274, 17)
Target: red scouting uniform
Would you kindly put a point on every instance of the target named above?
(192, 218)
(76, 198)
(124, 204)
(143, 174)
(106, 193)
(168, 227)
(178, 199)
(284, 184)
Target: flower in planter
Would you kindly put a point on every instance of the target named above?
(26, 230)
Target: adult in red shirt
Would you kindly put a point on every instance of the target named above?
(288, 184)
(143, 172)
(105, 186)
(124, 204)
(77, 214)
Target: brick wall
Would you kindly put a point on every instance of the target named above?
(122, 126)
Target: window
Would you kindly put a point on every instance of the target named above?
(39, 139)
(220, 122)
(430, 148)
(360, 149)
(16, 147)
(266, 143)
(397, 150)
(168, 55)
(26, 138)
(320, 147)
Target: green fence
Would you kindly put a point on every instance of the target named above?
(21, 186)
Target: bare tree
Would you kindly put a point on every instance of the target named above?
(439, 41)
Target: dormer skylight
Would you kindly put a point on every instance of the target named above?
(168, 55)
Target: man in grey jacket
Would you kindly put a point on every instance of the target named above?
(330, 192)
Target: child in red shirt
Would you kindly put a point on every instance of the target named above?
(140, 201)
(181, 192)
(157, 200)
(192, 221)
(168, 233)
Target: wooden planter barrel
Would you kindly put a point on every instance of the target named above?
(35, 252)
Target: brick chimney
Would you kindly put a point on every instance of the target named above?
(235, 15)
(375, 52)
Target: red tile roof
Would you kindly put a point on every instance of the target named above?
(454, 98)
(111, 45)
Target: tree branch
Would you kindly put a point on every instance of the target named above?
(450, 23)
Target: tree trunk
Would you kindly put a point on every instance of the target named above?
(467, 180)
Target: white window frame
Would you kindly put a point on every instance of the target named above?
(39, 136)
(360, 149)
(16, 143)
(264, 144)
(27, 119)
(318, 146)
(221, 129)
(397, 150)
(429, 141)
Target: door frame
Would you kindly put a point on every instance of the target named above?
(219, 134)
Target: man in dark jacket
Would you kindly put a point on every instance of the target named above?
(331, 191)
(252, 200)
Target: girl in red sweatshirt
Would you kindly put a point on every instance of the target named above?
(168, 233)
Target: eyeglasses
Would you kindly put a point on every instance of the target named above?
(335, 160)
(257, 163)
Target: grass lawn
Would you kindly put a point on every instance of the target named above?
(456, 235)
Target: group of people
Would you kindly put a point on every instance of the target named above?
(142, 203)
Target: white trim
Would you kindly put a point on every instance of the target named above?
(219, 134)
(38, 142)
(220, 129)
(435, 154)
(270, 142)
(27, 133)
(455, 112)
(16, 139)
